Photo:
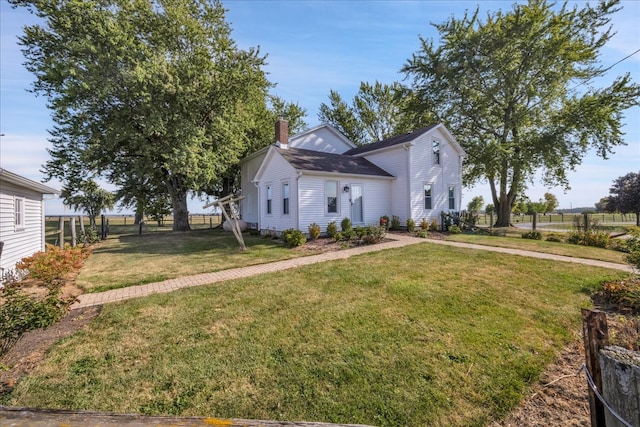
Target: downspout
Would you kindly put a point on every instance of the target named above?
(407, 149)
(259, 225)
(299, 175)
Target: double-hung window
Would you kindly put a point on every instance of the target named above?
(269, 199)
(452, 197)
(427, 196)
(331, 196)
(285, 198)
(19, 213)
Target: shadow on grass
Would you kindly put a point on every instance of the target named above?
(182, 242)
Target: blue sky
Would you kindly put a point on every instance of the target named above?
(316, 46)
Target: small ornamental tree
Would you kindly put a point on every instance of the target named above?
(624, 195)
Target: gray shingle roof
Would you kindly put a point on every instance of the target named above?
(395, 140)
(309, 160)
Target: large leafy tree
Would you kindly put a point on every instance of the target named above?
(624, 195)
(378, 111)
(152, 93)
(88, 197)
(515, 90)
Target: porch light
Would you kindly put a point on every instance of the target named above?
(346, 189)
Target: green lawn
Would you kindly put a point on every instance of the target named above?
(423, 335)
(131, 259)
(515, 241)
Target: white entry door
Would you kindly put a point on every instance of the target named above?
(356, 204)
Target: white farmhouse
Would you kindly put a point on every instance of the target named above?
(21, 218)
(320, 176)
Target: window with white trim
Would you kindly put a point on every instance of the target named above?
(435, 147)
(285, 198)
(427, 196)
(452, 197)
(19, 212)
(331, 196)
(269, 198)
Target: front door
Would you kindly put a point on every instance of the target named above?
(356, 204)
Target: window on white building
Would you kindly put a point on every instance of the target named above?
(331, 195)
(285, 198)
(427, 196)
(19, 212)
(269, 198)
(452, 197)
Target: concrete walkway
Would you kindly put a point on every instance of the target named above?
(397, 241)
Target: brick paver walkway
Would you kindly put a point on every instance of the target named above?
(88, 300)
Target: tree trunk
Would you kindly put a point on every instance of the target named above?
(139, 212)
(179, 203)
(503, 209)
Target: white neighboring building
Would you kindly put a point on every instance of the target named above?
(320, 176)
(21, 218)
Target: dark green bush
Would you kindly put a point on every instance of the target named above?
(411, 225)
(633, 248)
(314, 231)
(454, 229)
(533, 235)
(373, 235)
(346, 224)
(332, 229)
(395, 223)
(293, 237)
(337, 236)
(422, 233)
(20, 313)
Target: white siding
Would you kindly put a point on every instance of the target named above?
(20, 243)
(249, 206)
(424, 170)
(376, 199)
(396, 162)
(278, 172)
(321, 139)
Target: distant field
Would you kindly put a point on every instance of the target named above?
(123, 225)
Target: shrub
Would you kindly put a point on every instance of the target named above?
(384, 221)
(395, 223)
(332, 229)
(533, 235)
(434, 224)
(624, 294)
(633, 247)
(554, 238)
(337, 236)
(349, 234)
(53, 265)
(21, 312)
(454, 229)
(293, 237)
(372, 234)
(422, 233)
(346, 224)
(314, 231)
(411, 225)
(424, 224)
(90, 236)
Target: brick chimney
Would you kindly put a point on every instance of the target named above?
(282, 133)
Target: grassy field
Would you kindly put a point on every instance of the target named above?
(131, 259)
(514, 240)
(423, 335)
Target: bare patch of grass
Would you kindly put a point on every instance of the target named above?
(423, 335)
